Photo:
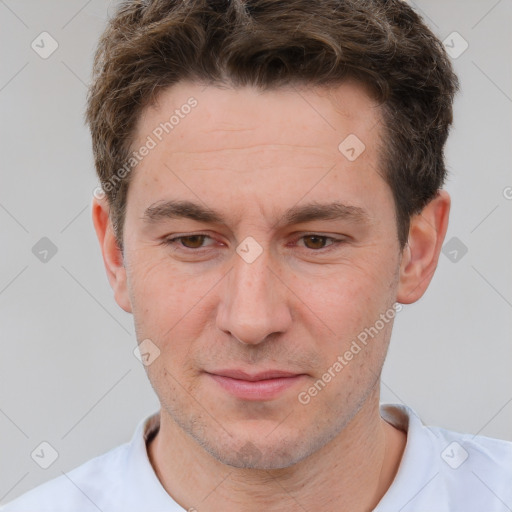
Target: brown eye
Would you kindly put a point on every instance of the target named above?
(192, 241)
(185, 242)
(317, 242)
(320, 243)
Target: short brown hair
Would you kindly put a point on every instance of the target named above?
(149, 45)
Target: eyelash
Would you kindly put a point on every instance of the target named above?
(173, 241)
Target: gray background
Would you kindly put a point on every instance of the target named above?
(68, 373)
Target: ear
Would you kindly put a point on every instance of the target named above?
(112, 255)
(421, 254)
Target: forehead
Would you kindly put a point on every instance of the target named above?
(313, 116)
(264, 141)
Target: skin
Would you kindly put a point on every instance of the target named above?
(252, 155)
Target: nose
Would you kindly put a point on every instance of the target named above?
(254, 303)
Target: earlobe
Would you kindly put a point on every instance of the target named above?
(421, 254)
(112, 255)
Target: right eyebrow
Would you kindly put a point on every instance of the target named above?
(174, 209)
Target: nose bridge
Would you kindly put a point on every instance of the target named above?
(252, 281)
(253, 307)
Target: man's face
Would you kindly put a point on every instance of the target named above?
(298, 291)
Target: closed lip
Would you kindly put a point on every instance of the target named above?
(253, 377)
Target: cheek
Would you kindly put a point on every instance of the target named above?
(350, 304)
(159, 293)
(154, 279)
(172, 306)
(351, 297)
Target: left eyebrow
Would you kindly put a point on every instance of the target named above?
(326, 211)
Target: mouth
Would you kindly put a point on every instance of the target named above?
(261, 386)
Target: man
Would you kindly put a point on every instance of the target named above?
(272, 177)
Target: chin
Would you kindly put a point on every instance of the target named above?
(258, 453)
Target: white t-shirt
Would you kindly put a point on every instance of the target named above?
(440, 471)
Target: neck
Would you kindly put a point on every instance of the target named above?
(350, 473)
